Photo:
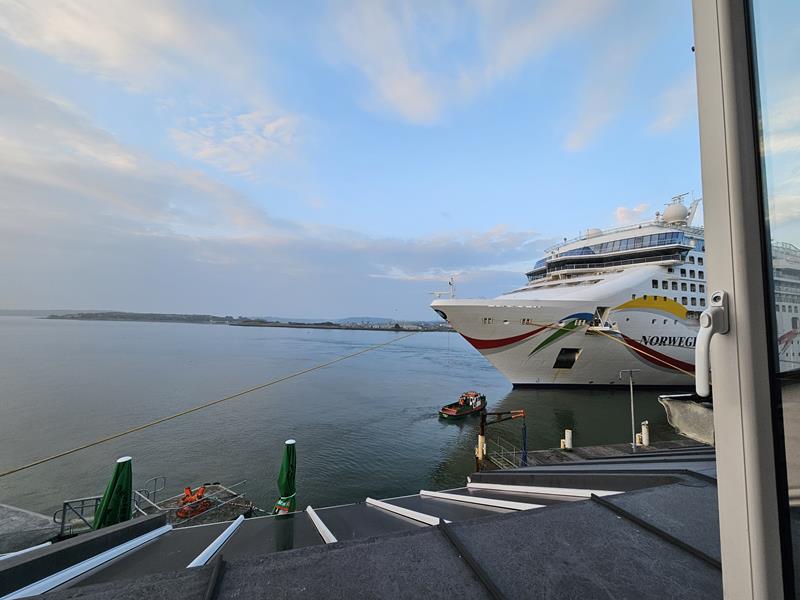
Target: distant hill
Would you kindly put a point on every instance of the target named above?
(24, 312)
(347, 320)
(105, 315)
(375, 320)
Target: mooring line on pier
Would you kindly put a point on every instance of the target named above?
(201, 406)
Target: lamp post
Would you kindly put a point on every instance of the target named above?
(630, 373)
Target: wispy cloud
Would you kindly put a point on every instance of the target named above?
(142, 44)
(378, 38)
(604, 94)
(165, 49)
(784, 207)
(677, 103)
(67, 164)
(416, 79)
(102, 224)
(513, 34)
(236, 143)
(625, 215)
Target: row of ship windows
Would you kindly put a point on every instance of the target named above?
(700, 274)
(684, 286)
(785, 308)
(699, 260)
(634, 243)
(684, 300)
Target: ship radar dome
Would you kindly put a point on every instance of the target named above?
(676, 213)
(593, 232)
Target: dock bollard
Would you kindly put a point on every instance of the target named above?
(645, 433)
(568, 439)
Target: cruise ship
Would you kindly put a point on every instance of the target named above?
(624, 298)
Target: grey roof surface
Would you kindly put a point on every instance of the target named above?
(445, 509)
(583, 550)
(652, 542)
(166, 553)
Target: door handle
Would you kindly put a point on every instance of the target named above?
(713, 320)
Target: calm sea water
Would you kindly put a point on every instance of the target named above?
(364, 426)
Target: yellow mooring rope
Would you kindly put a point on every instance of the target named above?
(200, 407)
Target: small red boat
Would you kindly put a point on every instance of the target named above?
(469, 403)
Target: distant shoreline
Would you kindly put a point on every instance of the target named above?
(244, 321)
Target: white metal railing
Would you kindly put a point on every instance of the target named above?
(82, 508)
(616, 263)
(503, 454)
(698, 231)
(143, 505)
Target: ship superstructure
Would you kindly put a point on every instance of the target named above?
(609, 300)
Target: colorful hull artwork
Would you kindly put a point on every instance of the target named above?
(656, 331)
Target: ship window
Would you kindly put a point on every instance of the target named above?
(652, 321)
(683, 272)
(670, 270)
(665, 321)
(645, 296)
(566, 358)
(700, 260)
(683, 286)
(794, 322)
(694, 301)
(693, 288)
(691, 259)
(702, 301)
(701, 275)
(655, 284)
(675, 285)
(683, 300)
(664, 285)
(691, 273)
(702, 288)
(633, 296)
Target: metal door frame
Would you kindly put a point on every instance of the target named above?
(750, 470)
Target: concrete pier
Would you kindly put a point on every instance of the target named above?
(558, 456)
(20, 528)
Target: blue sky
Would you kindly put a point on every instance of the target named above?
(327, 159)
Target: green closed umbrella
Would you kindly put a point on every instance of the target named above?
(286, 503)
(115, 506)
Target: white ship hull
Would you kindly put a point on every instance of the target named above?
(535, 339)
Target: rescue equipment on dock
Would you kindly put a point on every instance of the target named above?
(193, 503)
(469, 403)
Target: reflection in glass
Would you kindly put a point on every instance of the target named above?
(776, 41)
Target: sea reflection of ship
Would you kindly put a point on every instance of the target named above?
(606, 301)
